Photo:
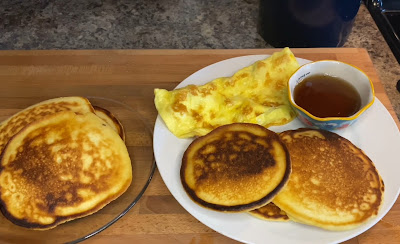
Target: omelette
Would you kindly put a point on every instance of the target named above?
(255, 94)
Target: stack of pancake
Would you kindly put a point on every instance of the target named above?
(61, 159)
(310, 176)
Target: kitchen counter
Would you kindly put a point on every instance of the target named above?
(365, 34)
(190, 24)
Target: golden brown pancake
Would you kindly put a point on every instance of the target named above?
(111, 120)
(236, 167)
(62, 167)
(333, 184)
(270, 212)
(14, 124)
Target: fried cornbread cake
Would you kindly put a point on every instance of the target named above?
(15, 123)
(111, 120)
(333, 184)
(62, 167)
(255, 94)
(236, 167)
(270, 212)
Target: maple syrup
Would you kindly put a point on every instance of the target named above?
(327, 96)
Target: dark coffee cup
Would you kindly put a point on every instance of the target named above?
(306, 23)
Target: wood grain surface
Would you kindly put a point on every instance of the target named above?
(27, 77)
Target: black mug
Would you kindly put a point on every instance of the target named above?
(306, 23)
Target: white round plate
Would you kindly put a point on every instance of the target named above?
(375, 133)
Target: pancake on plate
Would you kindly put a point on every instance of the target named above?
(235, 168)
(62, 167)
(270, 212)
(111, 120)
(255, 94)
(333, 184)
(15, 123)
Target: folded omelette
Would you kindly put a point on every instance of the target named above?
(255, 94)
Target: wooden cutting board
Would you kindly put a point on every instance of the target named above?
(130, 76)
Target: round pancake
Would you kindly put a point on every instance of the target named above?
(62, 167)
(235, 168)
(333, 184)
(111, 120)
(270, 212)
(15, 123)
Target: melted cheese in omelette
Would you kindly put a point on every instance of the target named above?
(255, 94)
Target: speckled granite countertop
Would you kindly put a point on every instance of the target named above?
(126, 24)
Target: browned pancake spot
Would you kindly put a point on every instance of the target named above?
(233, 160)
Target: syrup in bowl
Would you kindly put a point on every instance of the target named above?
(327, 96)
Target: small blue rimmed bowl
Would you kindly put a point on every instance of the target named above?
(347, 72)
